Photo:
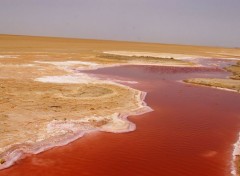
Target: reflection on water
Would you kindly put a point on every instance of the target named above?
(189, 133)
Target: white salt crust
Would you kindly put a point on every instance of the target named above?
(62, 132)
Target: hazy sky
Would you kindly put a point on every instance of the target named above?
(199, 22)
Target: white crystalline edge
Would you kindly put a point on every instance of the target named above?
(73, 79)
(162, 64)
(150, 54)
(17, 154)
(121, 81)
(118, 122)
(213, 87)
(65, 65)
(68, 63)
(226, 89)
(156, 55)
(161, 55)
(17, 65)
(67, 79)
(79, 78)
(236, 152)
(8, 56)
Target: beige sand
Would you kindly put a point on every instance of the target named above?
(224, 84)
(231, 84)
(151, 54)
(41, 97)
(235, 69)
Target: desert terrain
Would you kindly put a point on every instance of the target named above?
(46, 101)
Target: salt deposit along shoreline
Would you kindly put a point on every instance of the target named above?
(236, 147)
(62, 132)
(235, 158)
(75, 131)
(76, 128)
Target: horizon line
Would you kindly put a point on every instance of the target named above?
(112, 40)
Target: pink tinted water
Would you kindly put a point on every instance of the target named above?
(189, 133)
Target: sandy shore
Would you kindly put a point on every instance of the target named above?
(46, 103)
(223, 84)
(50, 111)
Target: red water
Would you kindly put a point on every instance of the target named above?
(190, 132)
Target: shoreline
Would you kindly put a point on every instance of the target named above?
(232, 162)
(213, 87)
(19, 151)
(16, 153)
(236, 149)
(236, 158)
(25, 149)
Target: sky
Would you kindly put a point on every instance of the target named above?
(191, 22)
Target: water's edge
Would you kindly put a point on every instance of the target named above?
(18, 152)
